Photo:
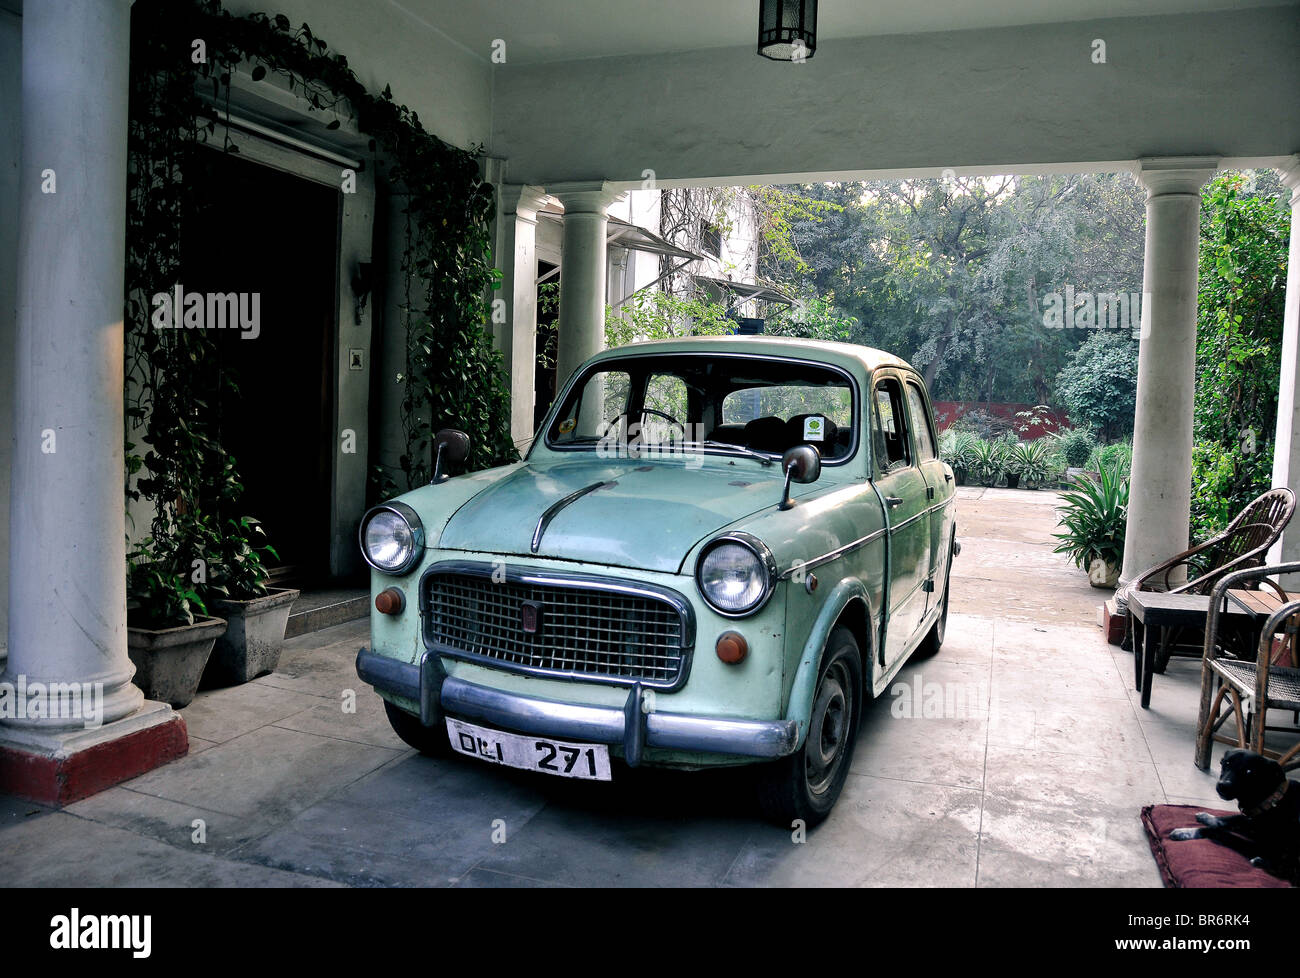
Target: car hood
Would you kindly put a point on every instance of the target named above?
(646, 515)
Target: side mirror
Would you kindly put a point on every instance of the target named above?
(449, 445)
(801, 464)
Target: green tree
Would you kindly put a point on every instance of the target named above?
(951, 275)
(1098, 387)
(1245, 226)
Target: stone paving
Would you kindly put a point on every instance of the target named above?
(1033, 775)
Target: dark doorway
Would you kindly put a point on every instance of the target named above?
(260, 231)
(548, 315)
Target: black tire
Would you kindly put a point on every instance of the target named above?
(806, 785)
(933, 641)
(427, 740)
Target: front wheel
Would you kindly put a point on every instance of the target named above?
(427, 740)
(806, 785)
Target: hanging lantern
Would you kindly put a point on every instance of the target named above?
(787, 29)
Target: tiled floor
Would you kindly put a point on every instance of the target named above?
(1032, 773)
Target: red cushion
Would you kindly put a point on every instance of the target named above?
(1198, 863)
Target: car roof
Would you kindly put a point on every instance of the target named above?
(850, 356)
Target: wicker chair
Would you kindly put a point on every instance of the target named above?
(1271, 682)
(1243, 544)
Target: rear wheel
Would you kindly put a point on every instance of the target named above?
(806, 785)
(427, 740)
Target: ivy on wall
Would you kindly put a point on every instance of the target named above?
(183, 56)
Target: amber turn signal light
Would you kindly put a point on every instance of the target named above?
(732, 648)
(390, 601)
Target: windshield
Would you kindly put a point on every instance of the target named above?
(710, 403)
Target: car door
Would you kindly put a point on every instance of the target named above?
(902, 488)
(937, 480)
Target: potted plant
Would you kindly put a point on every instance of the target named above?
(988, 460)
(1093, 518)
(1030, 462)
(1075, 446)
(237, 589)
(958, 448)
(170, 634)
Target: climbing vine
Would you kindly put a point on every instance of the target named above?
(184, 55)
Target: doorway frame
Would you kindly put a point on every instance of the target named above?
(352, 324)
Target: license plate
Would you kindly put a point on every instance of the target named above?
(587, 761)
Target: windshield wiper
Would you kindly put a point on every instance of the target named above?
(731, 447)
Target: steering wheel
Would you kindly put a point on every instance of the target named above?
(667, 417)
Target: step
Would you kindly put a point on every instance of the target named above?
(315, 610)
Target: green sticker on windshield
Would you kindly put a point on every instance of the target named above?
(814, 428)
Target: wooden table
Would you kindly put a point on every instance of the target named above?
(1160, 611)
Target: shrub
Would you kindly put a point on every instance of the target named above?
(1117, 456)
(1075, 446)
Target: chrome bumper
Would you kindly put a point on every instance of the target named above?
(437, 693)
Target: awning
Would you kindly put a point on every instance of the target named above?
(633, 238)
(744, 291)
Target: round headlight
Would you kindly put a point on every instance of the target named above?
(392, 538)
(736, 574)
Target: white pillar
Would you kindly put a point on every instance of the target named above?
(1286, 450)
(67, 594)
(1160, 495)
(516, 337)
(582, 274)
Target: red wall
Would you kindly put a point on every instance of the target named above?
(946, 412)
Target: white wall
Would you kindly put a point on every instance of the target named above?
(1214, 84)
(10, 112)
(449, 86)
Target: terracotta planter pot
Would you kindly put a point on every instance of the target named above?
(251, 645)
(169, 661)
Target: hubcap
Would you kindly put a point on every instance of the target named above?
(828, 733)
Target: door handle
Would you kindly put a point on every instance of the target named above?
(892, 501)
(947, 477)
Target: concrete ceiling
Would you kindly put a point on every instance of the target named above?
(541, 31)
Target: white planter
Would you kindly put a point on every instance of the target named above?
(1103, 574)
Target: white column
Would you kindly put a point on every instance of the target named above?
(1160, 495)
(516, 337)
(67, 592)
(1286, 450)
(582, 274)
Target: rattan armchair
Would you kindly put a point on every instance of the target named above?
(1271, 682)
(1244, 543)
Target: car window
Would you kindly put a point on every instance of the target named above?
(889, 427)
(593, 409)
(920, 423)
(762, 404)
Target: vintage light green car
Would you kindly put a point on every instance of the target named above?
(715, 550)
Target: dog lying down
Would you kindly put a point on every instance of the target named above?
(1267, 832)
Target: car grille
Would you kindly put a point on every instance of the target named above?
(587, 630)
